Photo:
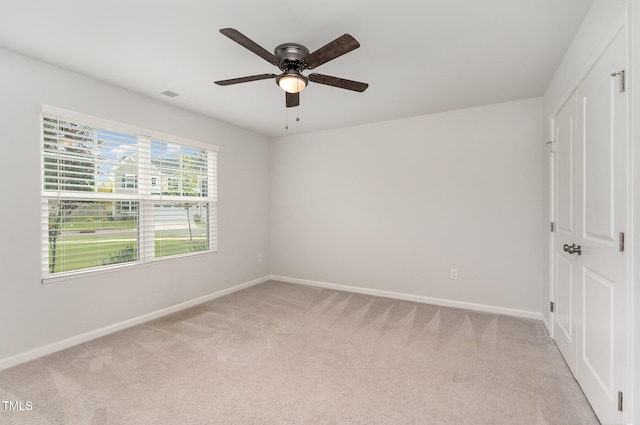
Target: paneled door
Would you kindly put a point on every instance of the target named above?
(602, 209)
(564, 319)
(590, 208)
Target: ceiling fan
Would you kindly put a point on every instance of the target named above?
(292, 59)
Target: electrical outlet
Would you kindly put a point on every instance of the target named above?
(453, 274)
(259, 258)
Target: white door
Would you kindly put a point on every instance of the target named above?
(590, 136)
(601, 204)
(564, 146)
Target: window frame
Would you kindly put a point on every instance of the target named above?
(146, 197)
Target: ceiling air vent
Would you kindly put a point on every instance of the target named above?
(169, 93)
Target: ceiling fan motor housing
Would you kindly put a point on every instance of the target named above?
(291, 55)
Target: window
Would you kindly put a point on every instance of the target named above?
(128, 207)
(114, 195)
(130, 181)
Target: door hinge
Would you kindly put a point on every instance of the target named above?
(619, 401)
(552, 306)
(621, 241)
(622, 87)
(552, 227)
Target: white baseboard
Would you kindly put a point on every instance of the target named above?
(97, 333)
(547, 326)
(417, 298)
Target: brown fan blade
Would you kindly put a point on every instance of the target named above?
(293, 99)
(249, 44)
(338, 47)
(245, 79)
(338, 82)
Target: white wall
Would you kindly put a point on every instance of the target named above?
(588, 43)
(393, 206)
(34, 315)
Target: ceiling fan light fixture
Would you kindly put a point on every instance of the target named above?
(292, 82)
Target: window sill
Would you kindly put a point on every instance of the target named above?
(120, 267)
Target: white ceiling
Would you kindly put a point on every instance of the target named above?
(418, 56)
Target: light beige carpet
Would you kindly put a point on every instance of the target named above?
(280, 353)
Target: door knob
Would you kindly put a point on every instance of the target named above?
(572, 249)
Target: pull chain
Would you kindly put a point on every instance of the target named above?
(286, 116)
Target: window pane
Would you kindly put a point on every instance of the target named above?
(88, 234)
(181, 169)
(82, 158)
(181, 228)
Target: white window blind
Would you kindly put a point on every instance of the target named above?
(115, 195)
